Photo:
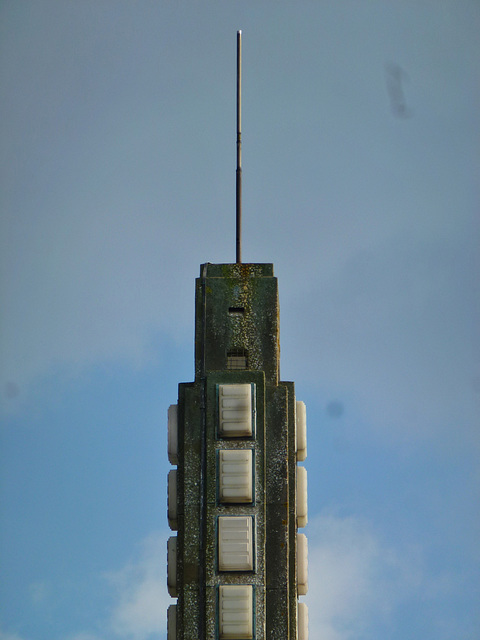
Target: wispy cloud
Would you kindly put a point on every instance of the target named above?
(358, 585)
(138, 593)
(141, 594)
(356, 580)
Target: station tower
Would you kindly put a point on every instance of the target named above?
(237, 496)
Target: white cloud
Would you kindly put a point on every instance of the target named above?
(139, 594)
(142, 599)
(355, 579)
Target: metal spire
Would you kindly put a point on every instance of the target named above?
(239, 149)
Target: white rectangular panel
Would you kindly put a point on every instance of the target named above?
(302, 564)
(172, 566)
(173, 434)
(235, 410)
(301, 426)
(302, 507)
(172, 622)
(235, 543)
(235, 476)
(302, 621)
(172, 511)
(236, 612)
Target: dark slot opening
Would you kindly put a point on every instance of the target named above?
(236, 310)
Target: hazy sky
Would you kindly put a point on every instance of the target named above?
(361, 157)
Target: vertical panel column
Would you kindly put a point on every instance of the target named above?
(277, 539)
(189, 615)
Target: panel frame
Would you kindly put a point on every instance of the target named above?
(225, 436)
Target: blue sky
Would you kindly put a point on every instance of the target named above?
(361, 158)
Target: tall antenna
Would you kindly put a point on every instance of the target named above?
(239, 148)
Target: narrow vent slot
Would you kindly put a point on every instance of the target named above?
(237, 359)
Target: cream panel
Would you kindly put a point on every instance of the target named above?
(173, 434)
(302, 621)
(172, 566)
(235, 543)
(302, 564)
(236, 612)
(172, 510)
(302, 509)
(301, 425)
(235, 410)
(172, 622)
(235, 477)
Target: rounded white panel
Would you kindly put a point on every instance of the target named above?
(302, 621)
(302, 564)
(301, 424)
(172, 566)
(172, 622)
(172, 510)
(302, 507)
(173, 434)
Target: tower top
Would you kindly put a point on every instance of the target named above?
(237, 319)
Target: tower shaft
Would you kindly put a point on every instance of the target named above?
(234, 564)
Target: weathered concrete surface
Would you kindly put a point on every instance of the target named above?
(237, 310)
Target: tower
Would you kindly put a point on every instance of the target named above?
(237, 496)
